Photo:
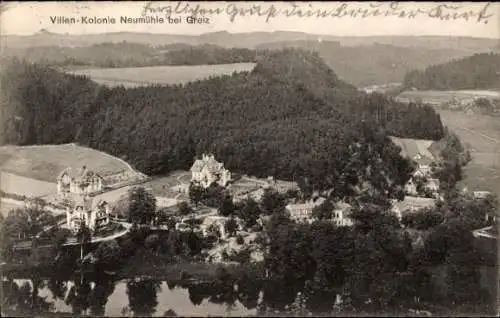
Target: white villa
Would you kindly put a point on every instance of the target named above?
(341, 214)
(91, 213)
(207, 170)
(76, 188)
(302, 212)
(79, 182)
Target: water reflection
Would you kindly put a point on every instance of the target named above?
(103, 296)
(142, 296)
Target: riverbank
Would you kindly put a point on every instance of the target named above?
(157, 268)
(164, 268)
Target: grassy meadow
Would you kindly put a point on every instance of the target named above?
(45, 162)
(445, 96)
(159, 75)
(481, 134)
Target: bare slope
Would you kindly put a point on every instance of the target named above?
(45, 162)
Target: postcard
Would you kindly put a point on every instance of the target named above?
(169, 158)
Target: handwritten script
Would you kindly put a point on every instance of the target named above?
(444, 12)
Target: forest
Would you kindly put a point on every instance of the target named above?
(480, 71)
(125, 54)
(291, 117)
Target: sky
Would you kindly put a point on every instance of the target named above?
(27, 18)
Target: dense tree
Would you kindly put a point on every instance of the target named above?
(142, 206)
(126, 54)
(479, 71)
(184, 209)
(214, 195)
(422, 219)
(84, 237)
(249, 211)
(27, 222)
(99, 296)
(324, 211)
(231, 226)
(195, 193)
(143, 296)
(272, 202)
(108, 255)
(226, 206)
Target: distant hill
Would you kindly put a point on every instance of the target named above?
(247, 40)
(280, 119)
(376, 63)
(359, 65)
(480, 71)
(125, 54)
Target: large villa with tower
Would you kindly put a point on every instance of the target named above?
(207, 170)
(76, 187)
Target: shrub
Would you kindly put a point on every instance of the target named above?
(239, 239)
(257, 228)
(185, 275)
(260, 239)
(242, 256)
(222, 273)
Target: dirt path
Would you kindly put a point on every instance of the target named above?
(480, 134)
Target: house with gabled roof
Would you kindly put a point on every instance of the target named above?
(207, 170)
(79, 181)
(77, 187)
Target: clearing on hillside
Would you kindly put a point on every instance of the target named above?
(412, 147)
(439, 97)
(160, 75)
(46, 162)
(481, 135)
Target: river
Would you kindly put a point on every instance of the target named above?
(135, 296)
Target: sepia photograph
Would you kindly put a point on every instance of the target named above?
(248, 159)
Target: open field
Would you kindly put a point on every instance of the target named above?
(47, 161)
(162, 186)
(481, 134)
(413, 147)
(438, 97)
(6, 206)
(159, 75)
(25, 186)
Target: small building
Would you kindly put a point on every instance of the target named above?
(481, 194)
(207, 170)
(432, 185)
(341, 214)
(411, 204)
(424, 169)
(218, 223)
(281, 186)
(254, 194)
(302, 212)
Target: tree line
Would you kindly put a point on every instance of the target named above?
(479, 71)
(126, 54)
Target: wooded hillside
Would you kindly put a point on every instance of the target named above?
(291, 117)
(480, 71)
